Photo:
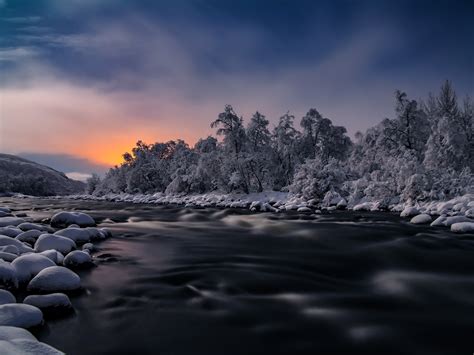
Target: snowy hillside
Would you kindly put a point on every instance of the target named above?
(29, 178)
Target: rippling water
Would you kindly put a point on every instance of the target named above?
(188, 281)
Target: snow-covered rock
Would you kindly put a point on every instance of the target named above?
(51, 241)
(469, 213)
(78, 235)
(64, 219)
(10, 221)
(18, 341)
(10, 231)
(438, 221)
(29, 265)
(421, 219)
(10, 249)
(55, 279)
(88, 246)
(20, 315)
(6, 297)
(28, 226)
(463, 227)
(8, 276)
(365, 206)
(48, 302)
(54, 255)
(77, 258)
(4, 240)
(7, 256)
(455, 219)
(304, 209)
(409, 211)
(29, 236)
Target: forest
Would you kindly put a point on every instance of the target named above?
(425, 152)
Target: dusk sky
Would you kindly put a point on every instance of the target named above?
(82, 80)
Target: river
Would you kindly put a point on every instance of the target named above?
(174, 280)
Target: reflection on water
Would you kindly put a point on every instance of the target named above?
(182, 281)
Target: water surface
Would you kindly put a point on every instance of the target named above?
(209, 281)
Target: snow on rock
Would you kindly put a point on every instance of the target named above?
(10, 221)
(64, 219)
(6, 297)
(48, 302)
(77, 258)
(7, 256)
(469, 213)
(421, 219)
(10, 231)
(463, 227)
(8, 276)
(20, 315)
(15, 341)
(51, 241)
(54, 255)
(29, 265)
(13, 333)
(439, 221)
(409, 211)
(78, 235)
(10, 249)
(88, 246)
(365, 206)
(107, 233)
(29, 236)
(455, 219)
(304, 209)
(4, 240)
(55, 279)
(28, 226)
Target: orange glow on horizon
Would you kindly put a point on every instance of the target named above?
(109, 151)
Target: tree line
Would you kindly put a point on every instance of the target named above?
(426, 151)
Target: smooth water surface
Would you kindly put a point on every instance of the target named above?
(209, 281)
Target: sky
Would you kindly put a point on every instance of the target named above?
(82, 80)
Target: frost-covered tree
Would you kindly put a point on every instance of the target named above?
(285, 157)
(92, 184)
(258, 151)
(230, 126)
(409, 130)
(447, 145)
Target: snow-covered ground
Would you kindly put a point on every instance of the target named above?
(38, 262)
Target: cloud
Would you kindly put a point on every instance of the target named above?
(94, 93)
(15, 54)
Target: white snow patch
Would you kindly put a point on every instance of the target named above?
(50, 241)
(10, 221)
(53, 300)
(6, 297)
(29, 265)
(63, 219)
(77, 258)
(463, 227)
(20, 315)
(55, 279)
(421, 219)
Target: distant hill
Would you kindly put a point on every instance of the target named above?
(30, 178)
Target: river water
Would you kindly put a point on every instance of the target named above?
(207, 281)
